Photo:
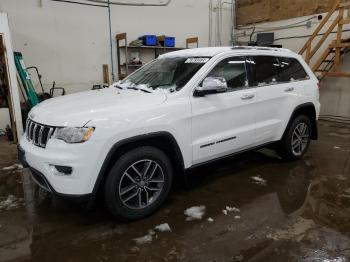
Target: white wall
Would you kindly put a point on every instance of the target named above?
(69, 43)
(335, 92)
(4, 118)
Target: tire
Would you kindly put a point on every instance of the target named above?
(41, 196)
(145, 164)
(290, 149)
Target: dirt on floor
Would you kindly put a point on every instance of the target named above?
(255, 207)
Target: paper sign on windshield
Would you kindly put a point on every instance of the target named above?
(196, 60)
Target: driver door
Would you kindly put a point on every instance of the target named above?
(224, 123)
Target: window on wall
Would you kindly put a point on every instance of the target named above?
(264, 70)
(291, 70)
(233, 69)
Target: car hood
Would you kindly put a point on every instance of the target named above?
(77, 109)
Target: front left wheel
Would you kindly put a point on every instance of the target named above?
(138, 183)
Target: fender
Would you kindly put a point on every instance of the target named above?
(135, 139)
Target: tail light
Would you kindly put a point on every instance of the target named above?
(318, 85)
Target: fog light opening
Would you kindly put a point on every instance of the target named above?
(61, 170)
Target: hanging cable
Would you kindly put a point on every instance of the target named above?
(277, 27)
(78, 3)
(130, 4)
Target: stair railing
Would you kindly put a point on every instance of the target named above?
(337, 46)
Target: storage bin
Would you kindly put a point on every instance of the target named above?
(149, 40)
(166, 41)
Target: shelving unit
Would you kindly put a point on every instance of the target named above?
(122, 46)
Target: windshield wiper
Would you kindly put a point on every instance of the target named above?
(118, 86)
(135, 88)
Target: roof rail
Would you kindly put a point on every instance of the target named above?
(260, 48)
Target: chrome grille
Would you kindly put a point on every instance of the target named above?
(37, 133)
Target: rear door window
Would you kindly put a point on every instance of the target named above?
(264, 70)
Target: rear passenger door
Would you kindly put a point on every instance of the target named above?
(278, 81)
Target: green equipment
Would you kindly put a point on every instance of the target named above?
(29, 92)
(29, 89)
(32, 98)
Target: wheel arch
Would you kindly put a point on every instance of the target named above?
(309, 110)
(163, 140)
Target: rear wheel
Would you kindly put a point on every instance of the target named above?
(138, 183)
(297, 138)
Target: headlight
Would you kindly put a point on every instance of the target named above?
(73, 134)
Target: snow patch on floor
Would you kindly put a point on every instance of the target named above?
(11, 203)
(232, 209)
(229, 209)
(210, 220)
(194, 213)
(146, 239)
(259, 180)
(163, 227)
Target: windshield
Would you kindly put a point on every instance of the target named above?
(170, 73)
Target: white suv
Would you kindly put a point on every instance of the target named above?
(182, 110)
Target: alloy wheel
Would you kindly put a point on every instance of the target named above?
(141, 184)
(300, 139)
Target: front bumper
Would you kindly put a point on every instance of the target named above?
(41, 181)
(85, 159)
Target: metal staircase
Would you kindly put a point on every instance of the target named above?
(328, 64)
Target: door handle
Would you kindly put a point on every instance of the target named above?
(289, 89)
(247, 96)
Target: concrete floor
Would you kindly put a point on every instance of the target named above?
(302, 213)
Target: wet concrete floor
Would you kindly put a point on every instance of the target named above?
(291, 211)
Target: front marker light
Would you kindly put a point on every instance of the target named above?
(74, 134)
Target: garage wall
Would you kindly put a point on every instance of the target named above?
(4, 118)
(292, 34)
(69, 43)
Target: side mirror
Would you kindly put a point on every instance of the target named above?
(211, 85)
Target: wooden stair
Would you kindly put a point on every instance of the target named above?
(328, 64)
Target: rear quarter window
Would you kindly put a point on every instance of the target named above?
(291, 70)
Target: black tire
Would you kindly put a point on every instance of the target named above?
(41, 196)
(117, 178)
(286, 150)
